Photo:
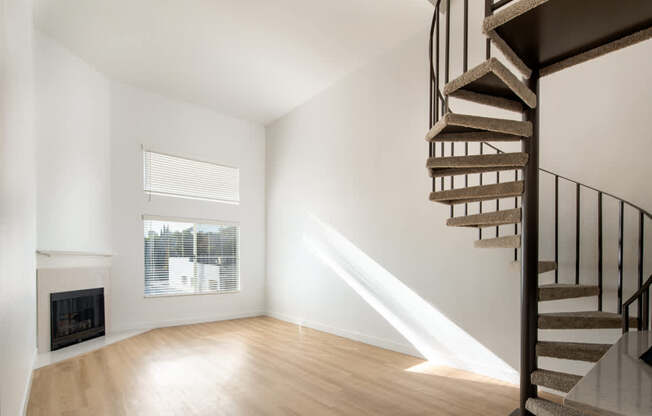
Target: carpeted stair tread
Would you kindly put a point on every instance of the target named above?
(542, 407)
(443, 172)
(554, 380)
(509, 241)
(463, 123)
(474, 136)
(517, 159)
(487, 219)
(491, 79)
(572, 350)
(478, 193)
(547, 266)
(581, 320)
(461, 165)
(558, 291)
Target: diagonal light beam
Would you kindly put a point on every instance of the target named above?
(435, 336)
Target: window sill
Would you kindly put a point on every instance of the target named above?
(175, 295)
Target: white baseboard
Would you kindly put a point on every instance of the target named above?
(387, 344)
(28, 385)
(144, 325)
(404, 348)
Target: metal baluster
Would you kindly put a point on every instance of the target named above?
(452, 180)
(448, 32)
(621, 208)
(641, 222)
(442, 155)
(646, 309)
(487, 12)
(465, 67)
(437, 63)
(516, 206)
(465, 62)
(577, 234)
(600, 244)
(497, 200)
(466, 178)
(480, 228)
(557, 228)
(433, 97)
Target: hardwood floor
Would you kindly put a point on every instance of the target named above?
(258, 366)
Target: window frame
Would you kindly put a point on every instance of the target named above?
(195, 222)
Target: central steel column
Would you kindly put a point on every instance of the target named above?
(530, 252)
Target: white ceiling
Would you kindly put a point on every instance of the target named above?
(253, 59)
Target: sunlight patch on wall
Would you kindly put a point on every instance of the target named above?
(434, 335)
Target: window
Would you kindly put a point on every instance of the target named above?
(187, 178)
(191, 258)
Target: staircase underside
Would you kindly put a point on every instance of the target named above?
(487, 219)
(478, 193)
(547, 33)
(547, 266)
(508, 241)
(492, 84)
(461, 123)
(473, 136)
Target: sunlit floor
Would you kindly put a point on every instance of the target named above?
(258, 366)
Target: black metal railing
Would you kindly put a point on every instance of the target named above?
(641, 216)
(439, 105)
(642, 297)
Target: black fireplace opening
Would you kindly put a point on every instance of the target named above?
(76, 316)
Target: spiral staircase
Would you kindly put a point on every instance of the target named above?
(525, 32)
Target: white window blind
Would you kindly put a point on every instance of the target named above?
(191, 258)
(188, 178)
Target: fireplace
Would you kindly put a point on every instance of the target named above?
(76, 316)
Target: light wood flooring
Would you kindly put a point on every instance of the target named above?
(258, 366)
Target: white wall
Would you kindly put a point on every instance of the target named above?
(354, 158)
(90, 195)
(600, 110)
(160, 124)
(17, 205)
(73, 152)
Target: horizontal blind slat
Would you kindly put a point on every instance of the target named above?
(190, 258)
(177, 176)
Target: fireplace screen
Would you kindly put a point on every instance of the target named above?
(76, 316)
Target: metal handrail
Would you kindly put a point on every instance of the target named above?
(434, 74)
(631, 204)
(641, 295)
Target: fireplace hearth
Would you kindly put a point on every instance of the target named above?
(76, 316)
